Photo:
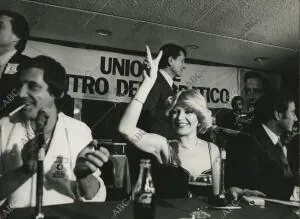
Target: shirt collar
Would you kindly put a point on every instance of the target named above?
(274, 138)
(168, 78)
(6, 57)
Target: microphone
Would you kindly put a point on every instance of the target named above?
(226, 131)
(41, 122)
(220, 200)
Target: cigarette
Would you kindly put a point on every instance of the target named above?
(16, 110)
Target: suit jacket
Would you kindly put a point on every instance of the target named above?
(153, 118)
(253, 162)
(9, 85)
(293, 155)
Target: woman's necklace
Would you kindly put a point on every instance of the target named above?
(189, 147)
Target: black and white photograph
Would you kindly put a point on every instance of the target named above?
(149, 109)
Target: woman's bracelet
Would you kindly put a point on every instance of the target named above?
(141, 102)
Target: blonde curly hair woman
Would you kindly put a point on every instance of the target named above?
(188, 115)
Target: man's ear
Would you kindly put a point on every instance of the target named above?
(15, 38)
(277, 115)
(170, 60)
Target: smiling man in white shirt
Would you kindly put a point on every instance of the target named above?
(71, 164)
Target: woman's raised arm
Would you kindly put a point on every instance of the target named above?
(151, 143)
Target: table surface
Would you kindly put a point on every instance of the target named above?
(165, 209)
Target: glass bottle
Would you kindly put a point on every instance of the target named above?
(144, 193)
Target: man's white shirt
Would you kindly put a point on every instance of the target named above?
(166, 76)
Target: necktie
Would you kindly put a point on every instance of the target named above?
(174, 88)
(283, 158)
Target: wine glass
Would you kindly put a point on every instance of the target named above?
(201, 185)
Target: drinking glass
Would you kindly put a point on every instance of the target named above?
(201, 185)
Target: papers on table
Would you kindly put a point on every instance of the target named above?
(227, 207)
(260, 201)
(289, 203)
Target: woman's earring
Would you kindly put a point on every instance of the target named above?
(62, 95)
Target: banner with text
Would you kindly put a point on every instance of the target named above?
(110, 76)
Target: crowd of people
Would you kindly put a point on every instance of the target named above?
(261, 160)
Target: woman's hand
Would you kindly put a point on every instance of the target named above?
(128, 124)
(153, 64)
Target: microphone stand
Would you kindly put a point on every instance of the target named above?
(40, 124)
(220, 199)
(222, 181)
(222, 143)
(40, 175)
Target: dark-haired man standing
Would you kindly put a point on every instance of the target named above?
(14, 32)
(171, 65)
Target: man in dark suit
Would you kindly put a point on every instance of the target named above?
(259, 161)
(171, 65)
(14, 32)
